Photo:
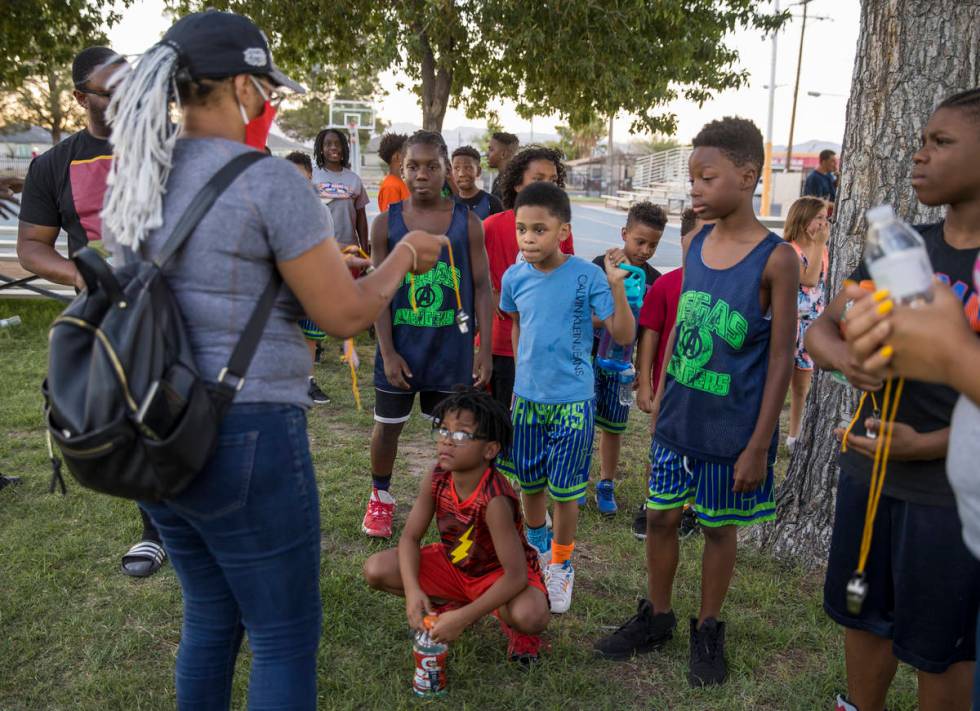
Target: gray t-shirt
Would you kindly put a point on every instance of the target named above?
(963, 469)
(345, 195)
(268, 215)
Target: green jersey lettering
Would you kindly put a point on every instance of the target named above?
(429, 295)
(698, 322)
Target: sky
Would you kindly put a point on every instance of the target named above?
(828, 60)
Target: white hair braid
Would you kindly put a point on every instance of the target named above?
(143, 139)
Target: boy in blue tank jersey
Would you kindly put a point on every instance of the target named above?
(551, 297)
(718, 404)
(421, 349)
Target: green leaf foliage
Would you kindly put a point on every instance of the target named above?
(38, 36)
(576, 58)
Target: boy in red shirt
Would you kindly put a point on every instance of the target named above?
(531, 165)
(656, 322)
(483, 563)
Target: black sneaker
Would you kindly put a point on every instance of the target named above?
(689, 523)
(318, 396)
(643, 632)
(707, 665)
(640, 524)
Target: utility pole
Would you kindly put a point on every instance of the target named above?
(796, 89)
(765, 207)
(609, 157)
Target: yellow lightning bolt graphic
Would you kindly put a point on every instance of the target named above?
(463, 549)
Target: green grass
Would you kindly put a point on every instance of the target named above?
(77, 634)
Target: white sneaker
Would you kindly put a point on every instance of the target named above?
(559, 579)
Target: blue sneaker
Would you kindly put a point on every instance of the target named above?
(540, 540)
(605, 499)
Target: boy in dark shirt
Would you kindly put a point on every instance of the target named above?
(64, 190)
(921, 604)
(731, 357)
(466, 169)
(645, 225)
(421, 349)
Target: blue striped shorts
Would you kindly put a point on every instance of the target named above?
(311, 331)
(552, 447)
(676, 479)
(610, 415)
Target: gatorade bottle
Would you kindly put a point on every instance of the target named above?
(430, 663)
(896, 256)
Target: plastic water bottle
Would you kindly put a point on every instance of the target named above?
(896, 257)
(430, 663)
(626, 378)
(10, 322)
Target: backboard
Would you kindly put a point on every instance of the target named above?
(349, 114)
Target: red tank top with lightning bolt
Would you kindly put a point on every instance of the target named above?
(463, 524)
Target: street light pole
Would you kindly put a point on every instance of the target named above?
(796, 89)
(609, 156)
(766, 204)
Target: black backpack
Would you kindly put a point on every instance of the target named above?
(124, 402)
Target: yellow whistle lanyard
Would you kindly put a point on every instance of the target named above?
(452, 271)
(350, 355)
(889, 408)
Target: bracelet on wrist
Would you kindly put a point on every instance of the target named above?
(415, 254)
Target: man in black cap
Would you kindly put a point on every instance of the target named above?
(64, 190)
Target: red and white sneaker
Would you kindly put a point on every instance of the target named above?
(379, 514)
(525, 649)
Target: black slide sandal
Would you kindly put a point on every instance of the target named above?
(143, 559)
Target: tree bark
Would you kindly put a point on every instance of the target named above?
(437, 82)
(910, 55)
(54, 107)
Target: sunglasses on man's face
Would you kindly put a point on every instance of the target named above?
(93, 92)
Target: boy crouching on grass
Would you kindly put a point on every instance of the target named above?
(483, 563)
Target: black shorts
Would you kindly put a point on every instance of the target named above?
(502, 380)
(393, 408)
(922, 580)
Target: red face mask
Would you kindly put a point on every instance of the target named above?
(257, 130)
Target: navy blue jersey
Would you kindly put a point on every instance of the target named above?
(717, 372)
(426, 334)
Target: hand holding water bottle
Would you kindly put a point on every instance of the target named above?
(896, 257)
(920, 342)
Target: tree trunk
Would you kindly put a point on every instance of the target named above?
(54, 107)
(437, 82)
(910, 55)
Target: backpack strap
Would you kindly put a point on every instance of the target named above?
(241, 356)
(203, 201)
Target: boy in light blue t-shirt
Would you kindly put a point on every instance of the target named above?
(551, 297)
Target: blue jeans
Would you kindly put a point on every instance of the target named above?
(244, 540)
(976, 674)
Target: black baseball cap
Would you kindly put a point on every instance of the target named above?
(215, 45)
